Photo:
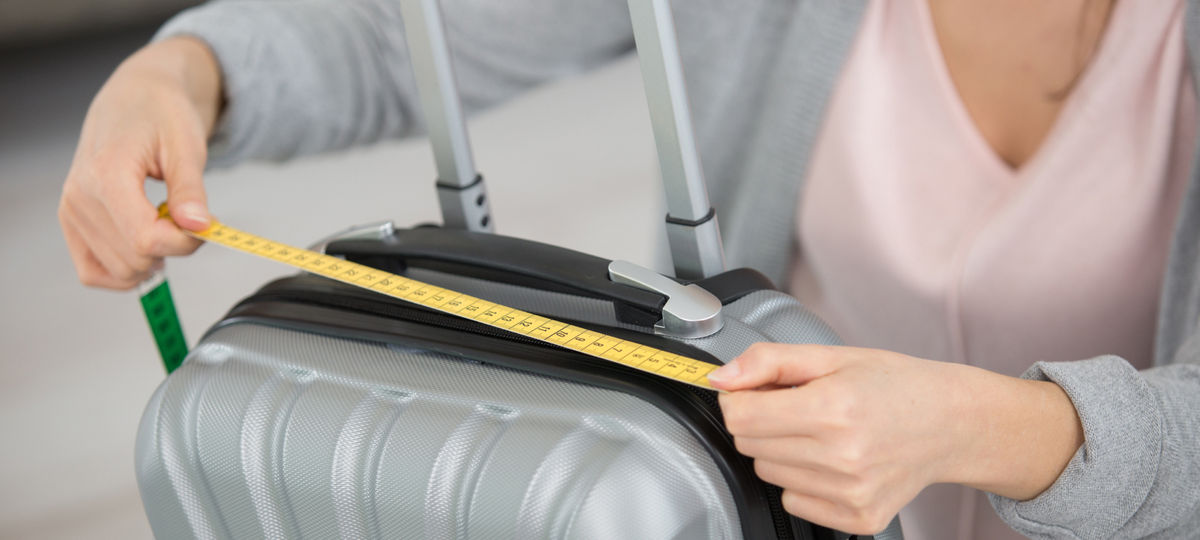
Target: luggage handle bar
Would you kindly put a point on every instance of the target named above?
(668, 306)
(503, 259)
(692, 229)
(460, 188)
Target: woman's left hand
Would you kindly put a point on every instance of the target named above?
(852, 435)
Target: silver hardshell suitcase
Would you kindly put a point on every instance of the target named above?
(318, 410)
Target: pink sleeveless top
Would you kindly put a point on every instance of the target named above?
(914, 236)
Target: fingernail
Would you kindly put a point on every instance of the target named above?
(726, 373)
(193, 211)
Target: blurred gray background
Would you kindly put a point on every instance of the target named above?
(78, 365)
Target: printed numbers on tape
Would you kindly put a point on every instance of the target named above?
(613, 349)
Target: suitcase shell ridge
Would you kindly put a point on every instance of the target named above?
(256, 437)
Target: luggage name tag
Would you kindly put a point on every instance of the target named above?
(628, 353)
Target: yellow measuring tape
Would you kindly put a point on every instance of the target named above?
(628, 353)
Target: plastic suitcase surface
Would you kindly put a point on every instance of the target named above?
(319, 410)
(315, 410)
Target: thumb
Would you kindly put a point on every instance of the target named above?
(183, 173)
(775, 364)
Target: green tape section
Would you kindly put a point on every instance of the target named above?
(164, 324)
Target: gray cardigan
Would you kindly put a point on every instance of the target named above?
(313, 75)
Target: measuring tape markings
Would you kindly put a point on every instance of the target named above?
(159, 307)
(624, 352)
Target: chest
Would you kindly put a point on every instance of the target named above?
(1015, 63)
(915, 238)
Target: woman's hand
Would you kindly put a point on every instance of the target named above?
(151, 118)
(852, 435)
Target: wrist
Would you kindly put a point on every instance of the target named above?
(1016, 436)
(187, 65)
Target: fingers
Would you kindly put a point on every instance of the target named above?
(113, 232)
(848, 519)
(778, 364)
(142, 123)
(796, 451)
(183, 172)
(838, 489)
(846, 503)
(166, 240)
(137, 230)
(89, 269)
(86, 233)
(819, 408)
(820, 423)
(771, 413)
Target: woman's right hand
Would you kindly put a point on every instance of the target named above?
(152, 118)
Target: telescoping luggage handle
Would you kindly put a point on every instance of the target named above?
(460, 188)
(692, 230)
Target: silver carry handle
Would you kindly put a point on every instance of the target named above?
(692, 230)
(460, 188)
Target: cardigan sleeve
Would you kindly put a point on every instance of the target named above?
(306, 76)
(1137, 473)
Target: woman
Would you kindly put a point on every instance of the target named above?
(974, 186)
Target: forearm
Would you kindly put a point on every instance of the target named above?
(1136, 474)
(187, 65)
(1016, 435)
(310, 76)
(299, 77)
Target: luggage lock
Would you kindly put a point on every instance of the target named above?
(690, 312)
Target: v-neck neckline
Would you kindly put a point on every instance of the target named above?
(973, 136)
